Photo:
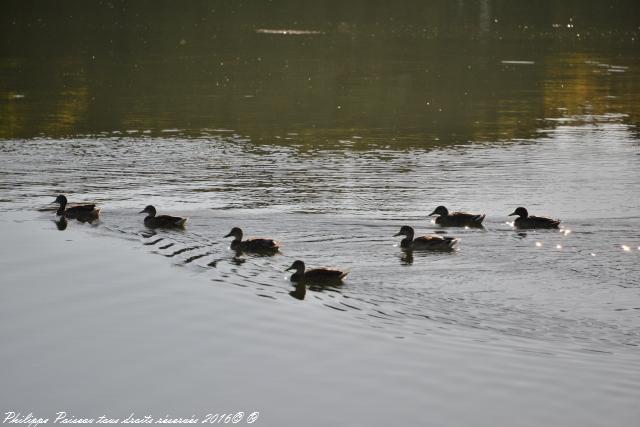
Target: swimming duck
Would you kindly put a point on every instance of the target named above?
(526, 221)
(317, 275)
(430, 242)
(82, 213)
(457, 219)
(251, 245)
(161, 221)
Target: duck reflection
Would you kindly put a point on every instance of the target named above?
(299, 291)
(406, 258)
(147, 234)
(61, 223)
(238, 260)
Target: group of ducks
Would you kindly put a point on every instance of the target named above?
(89, 213)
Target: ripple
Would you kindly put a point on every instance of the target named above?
(340, 208)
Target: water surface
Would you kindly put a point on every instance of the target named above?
(326, 127)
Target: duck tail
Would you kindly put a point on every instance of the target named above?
(181, 222)
(480, 218)
(452, 242)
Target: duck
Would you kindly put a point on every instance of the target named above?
(251, 245)
(161, 221)
(316, 275)
(429, 242)
(457, 219)
(83, 213)
(525, 221)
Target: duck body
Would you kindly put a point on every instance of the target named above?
(526, 221)
(161, 221)
(429, 242)
(536, 222)
(83, 213)
(457, 219)
(255, 245)
(164, 221)
(316, 275)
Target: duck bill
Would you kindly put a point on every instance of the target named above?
(290, 268)
(229, 235)
(143, 211)
(512, 214)
(398, 234)
(432, 213)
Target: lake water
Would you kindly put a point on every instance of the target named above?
(326, 127)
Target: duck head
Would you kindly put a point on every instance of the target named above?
(236, 233)
(61, 199)
(149, 210)
(521, 212)
(298, 266)
(440, 210)
(405, 230)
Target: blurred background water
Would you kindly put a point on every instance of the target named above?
(327, 126)
(424, 73)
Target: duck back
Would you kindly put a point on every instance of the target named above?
(536, 222)
(460, 219)
(164, 221)
(324, 274)
(256, 245)
(83, 213)
(434, 243)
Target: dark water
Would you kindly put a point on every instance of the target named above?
(408, 73)
(326, 126)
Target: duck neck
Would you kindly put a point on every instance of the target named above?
(61, 209)
(299, 274)
(408, 239)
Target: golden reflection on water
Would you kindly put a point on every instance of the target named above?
(439, 83)
(583, 84)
